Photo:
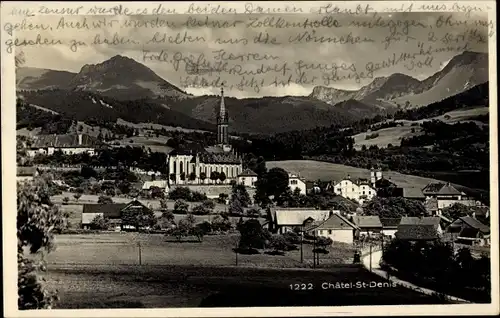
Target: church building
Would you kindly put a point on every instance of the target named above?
(217, 164)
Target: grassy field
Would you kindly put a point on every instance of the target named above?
(393, 135)
(314, 170)
(155, 144)
(101, 271)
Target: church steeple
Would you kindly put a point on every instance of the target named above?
(222, 124)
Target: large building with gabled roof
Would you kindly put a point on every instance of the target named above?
(69, 144)
(194, 164)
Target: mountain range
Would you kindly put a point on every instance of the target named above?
(124, 88)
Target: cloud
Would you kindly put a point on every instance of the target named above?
(323, 46)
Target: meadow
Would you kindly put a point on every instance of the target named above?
(314, 170)
(393, 135)
(102, 271)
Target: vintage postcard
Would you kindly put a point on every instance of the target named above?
(182, 159)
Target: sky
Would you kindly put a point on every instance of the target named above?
(349, 60)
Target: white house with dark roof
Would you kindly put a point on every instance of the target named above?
(69, 144)
(470, 231)
(162, 184)
(360, 190)
(368, 224)
(286, 219)
(247, 178)
(336, 227)
(446, 195)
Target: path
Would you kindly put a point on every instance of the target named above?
(376, 257)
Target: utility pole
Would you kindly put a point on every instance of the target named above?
(314, 251)
(301, 247)
(140, 253)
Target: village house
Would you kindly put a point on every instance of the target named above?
(419, 229)
(111, 211)
(368, 225)
(390, 226)
(470, 231)
(26, 174)
(336, 227)
(248, 178)
(296, 182)
(284, 220)
(360, 190)
(162, 184)
(446, 195)
(68, 144)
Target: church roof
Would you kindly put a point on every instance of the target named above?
(224, 158)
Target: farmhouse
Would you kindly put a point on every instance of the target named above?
(470, 231)
(111, 211)
(359, 190)
(68, 144)
(419, 228)
(247, 178)
(390, 226)
(367, 224)
(284, 220)
(296, 182)
(336, 227)
(207, 165)
(26, 174)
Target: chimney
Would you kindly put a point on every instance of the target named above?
(80, 139)
(349, 177)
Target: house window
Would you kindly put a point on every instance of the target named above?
(352, 189)
(242, 179)
(363, 192)
(293, 181)
(329, 231)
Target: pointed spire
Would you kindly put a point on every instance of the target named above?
(222, 105)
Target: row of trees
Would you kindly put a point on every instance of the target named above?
(214, 176)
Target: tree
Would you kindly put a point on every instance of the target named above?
(278, 244)
(183, 176)
(220, 224)
(253, 213)
(181, 207)
(394, 207)
(163, 204)
(235, 207)
(172, 177)
(192, 176)
(157, 192)
(180, 193)
(276, 183)
(166, 220)
(252, 235)
(99, 223)
(222, 199)
(77, 196)
(205, 208)
(37, 220)
(456, 211)
(104, 200)
(240, 193)
(138, 218)
(203, 176)
(214, 176)
(222, 177)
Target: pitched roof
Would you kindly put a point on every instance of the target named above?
(335, 222)
(413, 193)
(390, 223)
(227, 158)
(366, 221)
(473, 223)
(66, 141)
(432, 187)
(448, 189)
(298, 216)
(417, 232)
(111, 210)
(247, 173)
(413, 220)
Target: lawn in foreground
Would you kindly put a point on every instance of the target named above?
(156, 249)
(94, 286)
